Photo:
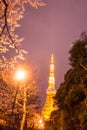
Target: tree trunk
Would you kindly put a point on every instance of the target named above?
(13, 105)
(24, 111)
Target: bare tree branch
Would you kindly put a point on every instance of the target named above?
(4, 15)
(85, 68)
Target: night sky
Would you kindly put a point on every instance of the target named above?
(52, 28)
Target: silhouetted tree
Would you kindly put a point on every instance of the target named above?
(72, 94)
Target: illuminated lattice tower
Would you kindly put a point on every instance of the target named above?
(51, 91)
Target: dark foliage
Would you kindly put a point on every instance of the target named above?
(71, 97)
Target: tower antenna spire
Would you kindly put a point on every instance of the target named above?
(51, 81)
(52, 59)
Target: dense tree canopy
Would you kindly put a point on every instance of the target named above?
(71, 96)
(78, 53)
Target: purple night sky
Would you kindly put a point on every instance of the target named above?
(52, 28)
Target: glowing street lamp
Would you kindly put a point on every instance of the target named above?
(41, 123)
(20, 75)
